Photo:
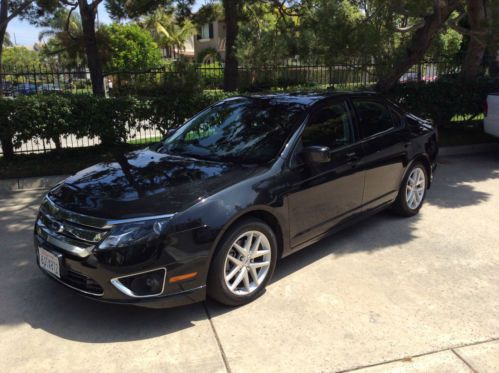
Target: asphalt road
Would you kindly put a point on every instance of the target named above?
(391, 294)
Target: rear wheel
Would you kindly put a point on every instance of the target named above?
(243, 264)
(412, 191)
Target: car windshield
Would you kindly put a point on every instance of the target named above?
(246, 130)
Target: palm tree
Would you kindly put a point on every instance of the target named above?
(167, 32)
(63, 38)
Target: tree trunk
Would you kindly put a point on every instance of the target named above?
(5, 133)
(477, 45)
(231, 10)
(4, 13)
(88, 13)
(419, 44)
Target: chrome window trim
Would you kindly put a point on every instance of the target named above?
(122, 288)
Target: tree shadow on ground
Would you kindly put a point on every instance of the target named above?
(451, 187)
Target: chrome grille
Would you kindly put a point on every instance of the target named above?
(71, 232)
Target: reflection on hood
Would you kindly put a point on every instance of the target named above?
(144, 183)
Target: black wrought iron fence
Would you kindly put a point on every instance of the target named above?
(166, 81)
(347, 75)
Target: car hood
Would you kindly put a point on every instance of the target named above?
(145, 183)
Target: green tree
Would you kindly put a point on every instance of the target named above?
(19, 58)
(264, 37)
(166, 30)
(130, 48)
(63, 40)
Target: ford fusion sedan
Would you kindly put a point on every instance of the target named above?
(212, 208)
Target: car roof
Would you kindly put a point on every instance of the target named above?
(303, 98)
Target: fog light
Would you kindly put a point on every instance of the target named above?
(144, 284)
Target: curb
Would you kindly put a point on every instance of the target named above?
(30, 183)
(468, 149)
(45, 182)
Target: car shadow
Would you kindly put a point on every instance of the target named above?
(28, 297)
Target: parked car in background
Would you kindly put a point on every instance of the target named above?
(24, 89)
(491, 121)
(415, 77)
(6, 88)
(409, 77)
(245, 182)
(50, 87)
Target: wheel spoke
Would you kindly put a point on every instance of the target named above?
(259, 265)
(259, 253)
(254, 274)
(238, 279)
(239, 248)
(256, 244)
(236, 261)
(246, 281)
(233, 273)
(247, 244)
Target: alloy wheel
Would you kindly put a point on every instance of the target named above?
(415, 188)
(247, 263)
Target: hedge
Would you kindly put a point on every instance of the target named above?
(50, 117)
(445, 98)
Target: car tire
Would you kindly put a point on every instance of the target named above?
(416, 181)
(243, 263)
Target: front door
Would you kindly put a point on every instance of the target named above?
(324, 194)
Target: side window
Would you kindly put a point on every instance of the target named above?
(329, 126)
(374, 117)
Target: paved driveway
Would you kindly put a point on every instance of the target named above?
(391, 294)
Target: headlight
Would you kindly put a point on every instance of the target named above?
(137, 232)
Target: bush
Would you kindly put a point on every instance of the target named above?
(42, 117)
(445, 98)
(50, 117)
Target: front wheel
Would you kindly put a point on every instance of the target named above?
(243, 264)
(412, 191)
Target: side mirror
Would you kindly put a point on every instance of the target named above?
(316, 154)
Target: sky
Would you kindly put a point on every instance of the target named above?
(22, 33)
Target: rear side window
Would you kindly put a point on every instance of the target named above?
(374, 117)
(329, 126)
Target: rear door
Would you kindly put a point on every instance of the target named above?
(384, 147)
(322, 195)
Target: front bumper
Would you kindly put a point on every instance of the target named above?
(92, 277)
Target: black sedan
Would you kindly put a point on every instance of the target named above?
(247, 181)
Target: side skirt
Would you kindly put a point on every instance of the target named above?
(347, 223)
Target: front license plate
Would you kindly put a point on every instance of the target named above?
(49, 262)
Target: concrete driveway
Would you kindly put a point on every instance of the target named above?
(390, 294)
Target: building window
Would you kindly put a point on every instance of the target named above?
(206, 31)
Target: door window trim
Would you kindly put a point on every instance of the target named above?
(363, 139)
(306, 122)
